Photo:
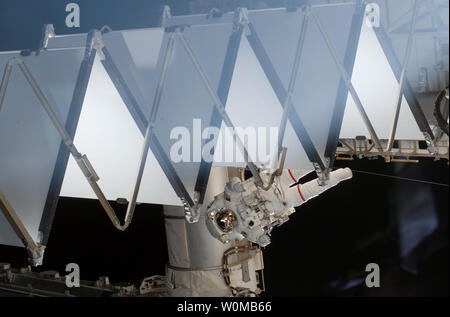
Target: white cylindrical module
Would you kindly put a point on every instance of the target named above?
(196, 258)
(299, 194)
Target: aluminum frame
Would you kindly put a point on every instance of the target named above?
(407, 90)
(170, 24)
(321, 166)
(241, 24)
(63, 152)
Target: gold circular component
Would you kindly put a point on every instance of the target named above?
(226, 220)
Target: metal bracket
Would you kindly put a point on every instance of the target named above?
(36, 255)
(241, 20)
(49, 31)
(191, 214)
(279, 170)
(105, 29)
(214, 13)
(166, 15)
(35, 250)
(323, 175)
(97, 44)
(431, 146)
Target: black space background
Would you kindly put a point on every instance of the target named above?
(328, 239)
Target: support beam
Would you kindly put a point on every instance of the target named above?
(294, 73)
(220, 107)
(345, 76)
(403, 75)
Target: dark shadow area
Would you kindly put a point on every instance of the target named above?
(324, 247)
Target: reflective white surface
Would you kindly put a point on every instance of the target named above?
(377, 88)
(109, 137)
(29, 142)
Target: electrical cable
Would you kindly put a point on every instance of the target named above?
(401, 178)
